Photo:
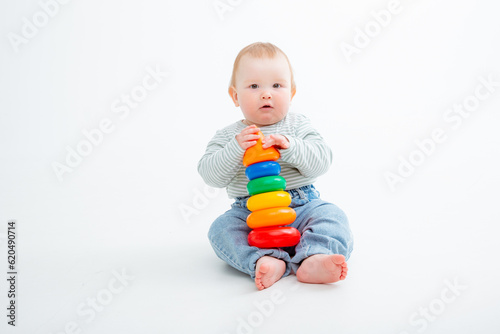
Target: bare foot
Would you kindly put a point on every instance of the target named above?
(268, 271)
(322, 268)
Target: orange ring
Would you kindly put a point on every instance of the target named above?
(271, 217)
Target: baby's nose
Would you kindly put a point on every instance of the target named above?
(266, 95)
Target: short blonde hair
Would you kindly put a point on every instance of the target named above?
(260, 50)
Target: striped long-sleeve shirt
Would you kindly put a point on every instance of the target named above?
(307, 157)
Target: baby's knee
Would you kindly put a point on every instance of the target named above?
(340, 215)
(333, 212)
(216, 228)
(223, 224)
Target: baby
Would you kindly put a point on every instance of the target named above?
(262, 85)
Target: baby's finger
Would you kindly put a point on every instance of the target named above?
(248, 144)
(251, 137)
(250, 129)
(268, 142)
(278, 140)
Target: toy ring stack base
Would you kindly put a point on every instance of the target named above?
(271, 237)
(269, 202)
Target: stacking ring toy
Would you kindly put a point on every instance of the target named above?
(266, 184)
(271, 217)
(261, 169)
(270, 237)
(268, 202)
(272, 199)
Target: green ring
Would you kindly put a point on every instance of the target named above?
(266, 184)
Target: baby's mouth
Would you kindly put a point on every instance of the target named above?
(267, 106)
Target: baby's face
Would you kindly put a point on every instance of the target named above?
(263, 89)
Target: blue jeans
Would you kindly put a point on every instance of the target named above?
(324, 228)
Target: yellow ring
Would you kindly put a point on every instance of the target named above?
(268, 200)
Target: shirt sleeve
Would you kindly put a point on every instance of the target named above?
(221, 161)
(308, 151)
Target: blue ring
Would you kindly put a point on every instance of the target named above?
(261, 169)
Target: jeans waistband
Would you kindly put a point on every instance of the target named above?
(308, 192)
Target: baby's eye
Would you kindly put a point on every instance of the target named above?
(254, 86)
(276, 85)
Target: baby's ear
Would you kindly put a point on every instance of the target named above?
(293, 93)
(234, 95)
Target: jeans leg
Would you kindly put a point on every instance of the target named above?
(228, 236)
(325, 230)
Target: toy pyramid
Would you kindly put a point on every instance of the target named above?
(269, 202)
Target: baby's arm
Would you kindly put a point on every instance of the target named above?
(222, 159)
(307, 151)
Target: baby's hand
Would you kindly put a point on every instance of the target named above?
(279, 141)
(248, 137)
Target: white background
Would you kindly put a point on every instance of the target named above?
(121, 208)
